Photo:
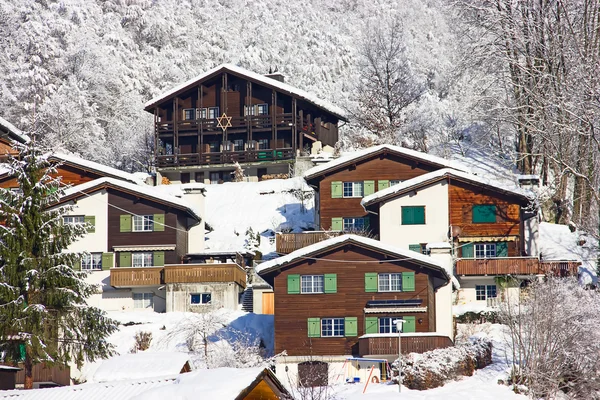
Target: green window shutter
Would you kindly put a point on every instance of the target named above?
(351, 326)
(501, 249)
(484, 213)
(158, 258)
(467, 251)
(107, 261)
(337, 224)
(125, 259)
(125, 224)
(314, 327)
(415, 247)
(330, 283)
(77, 264)
(91, 221)
(159, 222)
(371, 282)
(413, 215)
(383, 185)
(293, 284)
(337, 190)
(371, 325)
(408, 281)
(369, 188)
(410, 325)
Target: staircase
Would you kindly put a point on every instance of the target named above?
(248, 300)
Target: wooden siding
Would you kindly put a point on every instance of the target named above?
(462, 197)
(386, 346)
(285, 243)
(70, 175)
(293, 310)
(132, 277)
(43, 373)
(190, 273)
(139, 206)
(388, 167)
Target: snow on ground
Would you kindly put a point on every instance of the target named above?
(266, 207)
(557, 242)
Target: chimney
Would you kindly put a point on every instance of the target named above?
(531, 219)
(529, 182)
(277, 76)
(193, 193)
(442, 253)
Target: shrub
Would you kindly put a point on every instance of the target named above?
(471, 317)
(142, 341)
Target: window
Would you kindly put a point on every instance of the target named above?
(200, 298)
(143, 223)
(484, 213)
(91, 261)
(262, 109)
(355, 224)
(485, 250)
(189, 114)
(413, 215)
(484, 292)
(213, 112)
(249, 110)
(395, 182)
(332, 327)
(215, 177)
(263, 144)
(313, 284)
(142, 300)
(139, 260)
(390, 282)
(185, 177)
(238, 145)
(202, 113)
(74, 219)
(353, 189)
(387, 325)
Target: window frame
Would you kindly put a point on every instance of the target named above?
(263, 144)
(392, 327)
(70, 219)
(144, 256)
(486, 248)
(347, 226)
(390, 281)
(191, 112)
(89, 264)
(484, 292)
(146, 221)
(213, 112)
(262, 107)
(238, 145)
(145, 297)
(394, 182)
(353, 186)
(337, 327)
(314, 285)
(202, 297)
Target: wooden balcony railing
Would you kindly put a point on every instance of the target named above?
(43, 373)
(209, 125)
(129, 277)
(387, 345)
(515, 266)
(198, 273)
(285, 243)
(225, 157)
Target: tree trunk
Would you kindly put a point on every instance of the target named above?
(28, 366)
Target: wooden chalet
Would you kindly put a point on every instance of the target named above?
(341, 296)
(8, 135)
(229, 114)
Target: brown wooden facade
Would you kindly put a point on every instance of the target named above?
(292, 311)
(267, 123)
(379, 166)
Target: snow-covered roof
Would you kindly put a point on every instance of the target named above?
(284, 87)
(97, 167)
(13, 132)
(140, 366)
(441, 174)
(142, 190)
(352, 157)
(339, 240)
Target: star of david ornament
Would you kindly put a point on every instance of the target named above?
(224, 122)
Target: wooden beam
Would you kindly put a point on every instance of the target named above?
(198, 123)
(249, 113)
(176, 127)
(274, 118)
(294, 127)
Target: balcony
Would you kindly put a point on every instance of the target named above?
(238, 123)
(285, 243)
(515, 266)
(183, 273)
(387, 344)
(225, 157)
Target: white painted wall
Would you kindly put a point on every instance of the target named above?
(532, 236)
(97, 205)
(257, 299)
(196, 199)
(223, 295)
(435, 199)
(286, 368)
(443, 295)
(467, 293)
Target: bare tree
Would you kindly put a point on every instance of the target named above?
(553, 339)
(195, 330)
(387, 85)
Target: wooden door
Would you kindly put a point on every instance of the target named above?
(268, 303)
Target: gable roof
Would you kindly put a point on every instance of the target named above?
(144, 191)
(253, 76)
(441, 174)
(360, 155)
(339, 241)
(140, 365)
(12, 131)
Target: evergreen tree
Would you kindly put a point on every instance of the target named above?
(43, 313)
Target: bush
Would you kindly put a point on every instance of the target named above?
(434, 368)
(142, 341)
(471, 317)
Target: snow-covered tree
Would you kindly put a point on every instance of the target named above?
(43, 313)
